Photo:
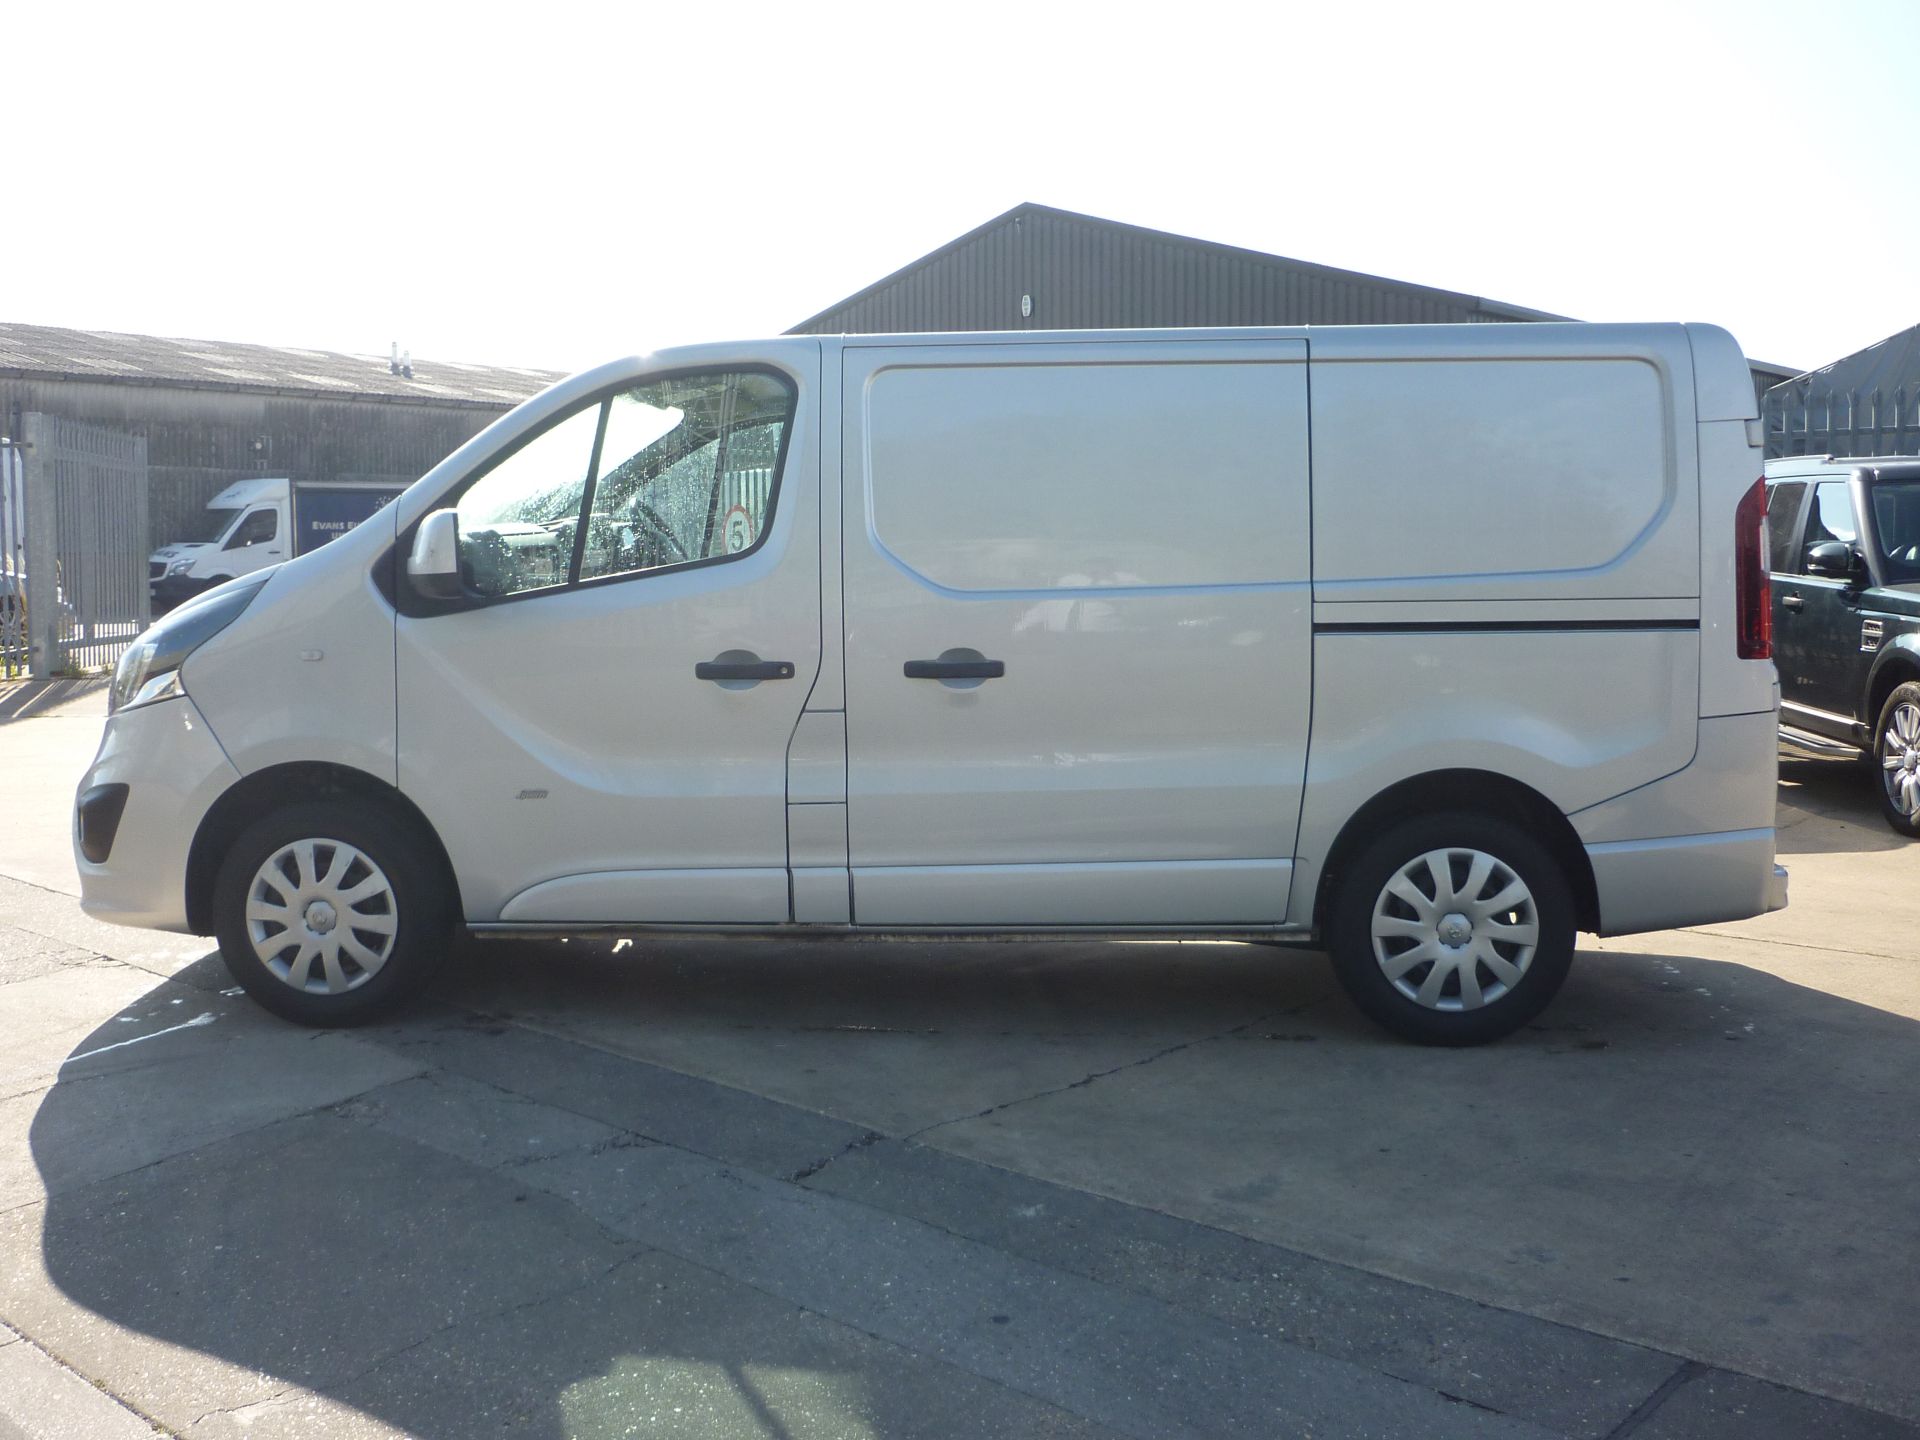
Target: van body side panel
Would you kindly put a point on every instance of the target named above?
(1453, 464)
(1536, 606)
(1578, 715)
(1143, 893)
(1728, 786)
(734, 895)
(1123, 526)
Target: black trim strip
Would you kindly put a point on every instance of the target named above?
(1487, 627)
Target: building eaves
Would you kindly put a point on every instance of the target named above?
(47, 352)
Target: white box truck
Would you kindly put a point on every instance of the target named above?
(1431, 646)
(256, 523)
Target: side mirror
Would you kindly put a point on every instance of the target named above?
(434, 565)
(1836, 560)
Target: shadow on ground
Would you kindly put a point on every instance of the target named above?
(475, 1219)
(1840, 792)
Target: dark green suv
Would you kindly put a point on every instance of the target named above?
(1846, 616)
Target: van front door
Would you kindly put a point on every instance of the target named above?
(599, 729)
(1078, 665)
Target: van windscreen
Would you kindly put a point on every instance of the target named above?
(209, 526)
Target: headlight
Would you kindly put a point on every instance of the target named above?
(181, 566)
(149, 668)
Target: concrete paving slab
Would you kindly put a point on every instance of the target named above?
(25, 956)
(56, 915)
(892, 1036)
(300, 1254)
(41, 1399)
(1855, 883)
(118, 1110)
(1658, 1161)
(1566, 1380)
(1717, 1406)
(1122, 1359)
(661, 1347)
(47, 752)
(480, 1124)
(52, 1016)
(716, 1120)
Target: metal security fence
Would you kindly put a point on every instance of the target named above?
(13, 562)
(1866, 403)
(1804, 419)
(84, 492)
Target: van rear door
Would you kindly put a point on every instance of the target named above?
(1077, 630)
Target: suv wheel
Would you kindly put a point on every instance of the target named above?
(1452, 929)
(328, 913)
(1896, 749)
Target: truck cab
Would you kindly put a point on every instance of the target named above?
(243, 529)
(256, 523)
(1845, 544)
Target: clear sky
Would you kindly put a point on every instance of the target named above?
(557, 184)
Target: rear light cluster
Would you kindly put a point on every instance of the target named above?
(1753, 595)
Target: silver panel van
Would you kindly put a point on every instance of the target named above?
(1431, 646)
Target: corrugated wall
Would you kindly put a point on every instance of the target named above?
(1084, 274)
(199, 441)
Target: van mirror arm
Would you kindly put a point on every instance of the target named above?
(434, 565)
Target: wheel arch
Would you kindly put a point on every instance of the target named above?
(1897, 663)
(257, 795)
(1483, 792)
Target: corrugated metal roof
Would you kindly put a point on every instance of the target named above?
(1886, 365)
(45, 351)
(1083, 272)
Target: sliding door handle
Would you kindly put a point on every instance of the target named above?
(955, 669)
(742, 665)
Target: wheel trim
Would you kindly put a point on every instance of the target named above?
(1455, 929)
(1900, 759)
(321, 916)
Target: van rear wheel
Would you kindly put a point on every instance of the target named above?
(1452, 929)
(328, 913)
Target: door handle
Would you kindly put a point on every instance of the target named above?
(1792, 602)
(732, 666)
(955, 669)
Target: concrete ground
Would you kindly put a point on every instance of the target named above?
(863, 1189)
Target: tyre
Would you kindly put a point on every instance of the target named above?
(1452, 929)
(330, 912)
(1896, 754)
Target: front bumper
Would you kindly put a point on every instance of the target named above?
(173, 770)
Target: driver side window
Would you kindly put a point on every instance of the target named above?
(670, 473)
(1832, 517)
(686, 472)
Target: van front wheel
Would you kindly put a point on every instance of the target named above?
(329, 913)
(1452, 929)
